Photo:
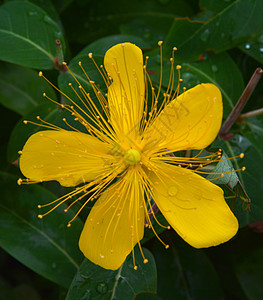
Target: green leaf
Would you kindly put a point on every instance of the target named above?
(239, 21)
(214, 5)
(249, 265)
(92, 281)
(147, 296)
(46, 246)
(21, 89)
(254, 48)
(100, 46)
(27, 35)
(224, 166)
(253, 160)
(183, 270)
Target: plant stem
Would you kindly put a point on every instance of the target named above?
(252, 113)
(234, 115)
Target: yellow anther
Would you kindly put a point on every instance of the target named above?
(40, 74)
(145, 261)
(90, 55)
(160, 43)
(241, 155)
(243, 168)
(19, 181)
(178, 67)
(40, 216)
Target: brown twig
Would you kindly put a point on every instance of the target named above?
(234, 115)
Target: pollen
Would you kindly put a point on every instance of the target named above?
(132, 157)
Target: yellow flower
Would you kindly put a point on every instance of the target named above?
(126, 159)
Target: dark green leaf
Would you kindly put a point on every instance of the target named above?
(224, 166)
(250, 144)
(254, 48)
(94, 282)
(27, 35)
(46, 246)
(21, 89)
(215, 5)
(147, 296)
(249, 265)
(239, 21)
(185, 272)
(100, 46)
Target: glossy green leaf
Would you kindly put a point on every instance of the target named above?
(46, 246)
(147, 296)
(254, 48)
(239, 21)
(27, 35)
(215, 5)
(94, 282)
(21, 89)
(185, 272)
(100, 46)
(224, 166)
(250, 144)
(248, 265)
(99, 19)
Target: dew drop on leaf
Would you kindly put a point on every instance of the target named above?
(214, 68)
(247, 46)
(204, 35)
(102, 288)
(87, 296)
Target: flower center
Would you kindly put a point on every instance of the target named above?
(132, 157)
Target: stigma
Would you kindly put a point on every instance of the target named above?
(132, 157)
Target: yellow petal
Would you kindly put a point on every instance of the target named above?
(115, 223)
(191, 121)
(124, 63)
(193, 206)
(66, 156)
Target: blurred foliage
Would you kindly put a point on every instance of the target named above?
(219, 42)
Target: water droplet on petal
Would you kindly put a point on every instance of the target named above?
(247, 46)
(204, 35)
(261, 49)
(102, 288)
(172, 191)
